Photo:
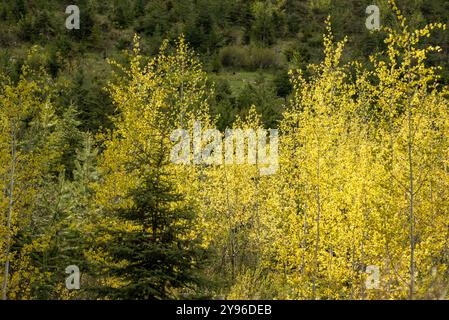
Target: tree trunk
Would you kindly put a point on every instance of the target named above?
(318, 218)
(10, 208)
(411, 191)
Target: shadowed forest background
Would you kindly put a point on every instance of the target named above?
(85, 123)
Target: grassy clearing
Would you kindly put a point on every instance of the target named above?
(238, 80)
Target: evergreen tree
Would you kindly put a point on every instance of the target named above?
(156, 255)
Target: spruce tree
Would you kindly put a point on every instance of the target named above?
(158, 255)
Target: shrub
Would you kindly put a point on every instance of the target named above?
(263, 58)
(253, 58)
(282, 84)
(234, 57)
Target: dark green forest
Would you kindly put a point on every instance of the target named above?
(245, 46)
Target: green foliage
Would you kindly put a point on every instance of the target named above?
(251, 59)
(156, 259)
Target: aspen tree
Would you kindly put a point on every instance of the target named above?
(411, 112)
(313, 141)
(27, 119)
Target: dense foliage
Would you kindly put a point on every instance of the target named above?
(86, 118)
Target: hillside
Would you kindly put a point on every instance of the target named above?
(245, 46)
